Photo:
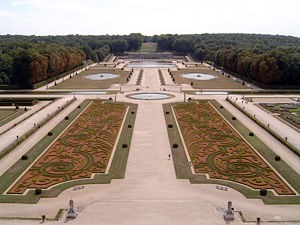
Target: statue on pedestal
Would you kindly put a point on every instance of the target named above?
(229, 215)
(72, 213)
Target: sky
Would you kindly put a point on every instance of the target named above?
(100, 17)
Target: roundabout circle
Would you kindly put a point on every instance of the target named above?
(101, 76)
(198, 76)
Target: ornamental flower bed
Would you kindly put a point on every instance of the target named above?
(83, 149)
(216, 149)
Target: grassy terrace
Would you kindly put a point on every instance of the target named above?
(148, 47)
(236, 166)
(80, 82)
(7, 115)
(220, 82)
(50, 170)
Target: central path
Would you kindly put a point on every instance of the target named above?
(150, 192)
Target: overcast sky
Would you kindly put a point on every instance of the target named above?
(60, 17)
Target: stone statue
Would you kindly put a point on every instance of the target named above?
(72, 213)
(229, 215)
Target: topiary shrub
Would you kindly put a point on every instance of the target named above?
(167, 112)
(110, 98)
(79, 106)
(50, 133)
(251, 134)
(277, 158)
(124, 145)
(233, 118)
(66, 118)
(129, 126)
(175, 145)
(263, 192)
(38, 191)
(170, 126)
(132, 112)
(221, 107)
(189, 99)
(24, 157)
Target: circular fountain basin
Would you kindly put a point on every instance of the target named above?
(149, 96)
(101, 76)
(198, 76)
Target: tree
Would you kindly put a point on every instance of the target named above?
(118, 46)
(182, 45)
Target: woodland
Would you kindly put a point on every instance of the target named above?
(269, 61)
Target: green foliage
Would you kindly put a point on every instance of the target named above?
(182, 45)
(266, 60)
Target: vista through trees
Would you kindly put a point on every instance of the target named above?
(266, 60)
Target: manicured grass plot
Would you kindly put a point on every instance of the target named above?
(220, 81)
(81, 82)
(5, 113)
(84, 148)
(215, 148)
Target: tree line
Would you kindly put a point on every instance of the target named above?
(268, 60)
(26, 60)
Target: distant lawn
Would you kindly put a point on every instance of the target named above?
(287, 111)
(7, 115)
(148, 47)
(4, 113)
(80, 82)
(220, 82)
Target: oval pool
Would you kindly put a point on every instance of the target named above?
(101, 76)
(198, 76)
(149, 96)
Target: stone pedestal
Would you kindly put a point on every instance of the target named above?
(72, 212)
(229, 215)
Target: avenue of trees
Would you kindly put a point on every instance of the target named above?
(267, 60)
(26, 60)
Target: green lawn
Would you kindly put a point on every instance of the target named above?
(148, 47)
(7, 115)
(80, 82)
(220, 82)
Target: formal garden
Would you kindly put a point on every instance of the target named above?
(290, 112)
(81, 145)
(223, 151)
(219, 82)
(83, 80)
(217, 149)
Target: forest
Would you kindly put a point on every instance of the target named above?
(269, 61)
(27, 60)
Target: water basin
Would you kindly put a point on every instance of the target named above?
(149, 96)
(101, 76)
(198, 76)
(150, 65)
